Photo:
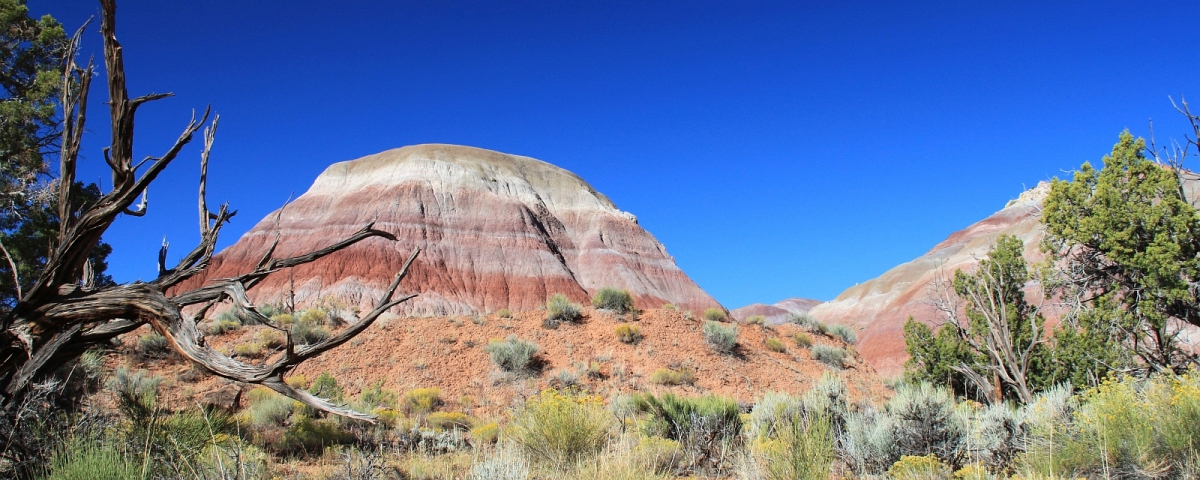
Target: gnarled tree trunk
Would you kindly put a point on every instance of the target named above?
(64, 313)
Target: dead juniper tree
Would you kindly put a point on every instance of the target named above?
(65, 312)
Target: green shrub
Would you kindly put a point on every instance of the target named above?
(326, 386)
(559, 309)
(311, 435)
(844, 332)
(820, 327)
(512, 354)
(628, 333)
(708, 427)
(867, 443)
(92, 459)
(375, 397)
(673, 376)
(422, 400)
(267, 408)
(486, 433)
(249, 350)
(561, 429)
(926, 467)
(832, 356)
(720, 337)
(307, 331)
(715, 315)
(315, 316)
(449, 421)
(670, 306)
(608, 298)
(803, 340)
(801, 447)
(504, 313)
(152, 344)
(774, 344)
(802, 319)
(758, 320)
(925, 421)
(225, 322)
(271, 339)
(1122, 425)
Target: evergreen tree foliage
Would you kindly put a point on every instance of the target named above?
(30, 73)
(1132, 243)
(31, 69)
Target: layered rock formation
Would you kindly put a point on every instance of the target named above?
(496, 230)
(777, 313)
(879, 307)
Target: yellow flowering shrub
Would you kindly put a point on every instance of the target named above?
(561, 428)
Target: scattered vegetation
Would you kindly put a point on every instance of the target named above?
(504, 313)
(829, 355)
(715, 315)
(559, 309)
(420, 401)
(803, 340)
(225, 322)
(758, 320)
(628, 333)
(843, 332)
(152, 344)
(512, 354)
(720, 337)
(608, 298)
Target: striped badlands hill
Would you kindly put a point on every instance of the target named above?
(496, 230)
(879, 307)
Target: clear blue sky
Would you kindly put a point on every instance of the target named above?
(777, 149)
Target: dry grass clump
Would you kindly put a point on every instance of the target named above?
(673, 376)
(803, 340)
(774, 344)
(715, 315)
(628, 333)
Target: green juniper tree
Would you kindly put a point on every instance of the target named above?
(1131, 243)
(31, 75)
(992, 344)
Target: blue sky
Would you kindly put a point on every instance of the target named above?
(777, 149)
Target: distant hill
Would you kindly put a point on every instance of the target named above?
(777, 313)
(497, 231)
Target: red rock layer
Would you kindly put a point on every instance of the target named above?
(496, 230)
